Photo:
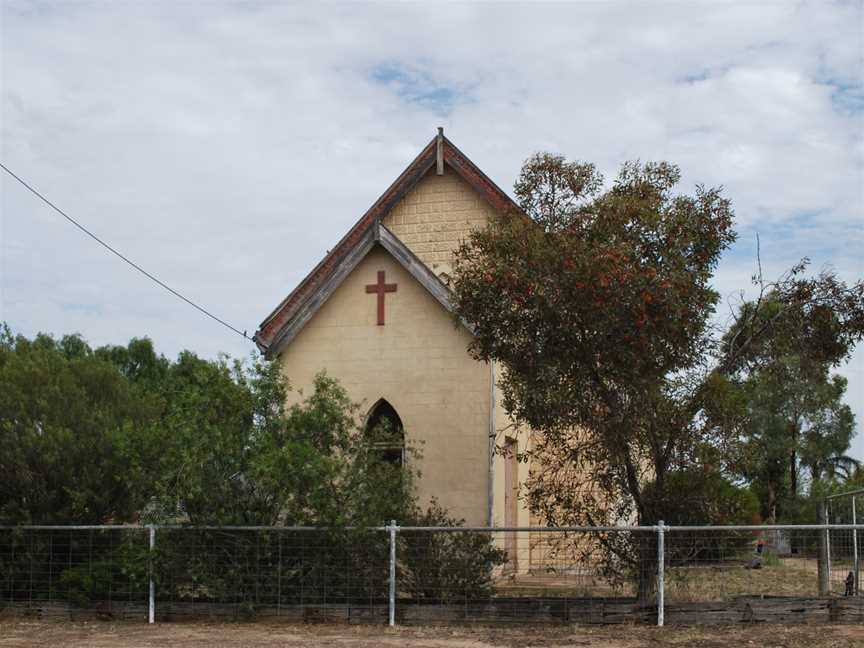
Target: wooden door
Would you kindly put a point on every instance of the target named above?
(511, 510)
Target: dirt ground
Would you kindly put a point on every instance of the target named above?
(127, 635)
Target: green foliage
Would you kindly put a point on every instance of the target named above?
(217, 419)
(446, 566)
(792, 421)
(253, 568)
(326, 467)
(599, 318)
(817, 319)
(65, 417)
(321, 469)
(789, 412)
(85, 567)
(598, 308)
(595, 314)
(87, 584)
(120, 433)
(698, 496)
(555, 192)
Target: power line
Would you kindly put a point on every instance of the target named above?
(115, 252)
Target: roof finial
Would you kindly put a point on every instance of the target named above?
(439, 152)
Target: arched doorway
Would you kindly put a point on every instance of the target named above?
(389, 436)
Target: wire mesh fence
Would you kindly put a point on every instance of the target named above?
(411, 575)
(716, 564)
(57, 569)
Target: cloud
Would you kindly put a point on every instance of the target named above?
(418, 87)
(227, 147)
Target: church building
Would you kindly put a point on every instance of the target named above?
(376, 314)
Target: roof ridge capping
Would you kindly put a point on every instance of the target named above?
(438, 152)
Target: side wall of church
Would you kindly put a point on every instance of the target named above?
(436, 215)
(521, 542)
(418, 362)
(504, 430)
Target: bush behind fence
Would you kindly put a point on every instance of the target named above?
(440, 574)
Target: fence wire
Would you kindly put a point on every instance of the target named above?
(436, 575)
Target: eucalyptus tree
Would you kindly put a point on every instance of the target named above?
(598, 305)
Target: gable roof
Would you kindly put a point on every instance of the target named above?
(297, 308)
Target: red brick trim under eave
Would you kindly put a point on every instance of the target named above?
(458, 161)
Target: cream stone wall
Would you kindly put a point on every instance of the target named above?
(504, 429)
(523, 541)
(436, 215)
(418, 362)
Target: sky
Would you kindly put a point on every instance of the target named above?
(225, 147)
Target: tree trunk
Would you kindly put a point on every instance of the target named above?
(647, 568)
(793, 459)
(793, 474)
(772, 504)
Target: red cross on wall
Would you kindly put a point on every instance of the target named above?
(380, 288)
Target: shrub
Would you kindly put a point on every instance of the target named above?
(446, 565)
(702, 497)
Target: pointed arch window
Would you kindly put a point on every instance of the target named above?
(388, 435)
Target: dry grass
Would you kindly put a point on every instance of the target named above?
(709, 582)
(788, 577)
(18, 634)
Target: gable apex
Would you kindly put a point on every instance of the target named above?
(377, 235)
(435, 155)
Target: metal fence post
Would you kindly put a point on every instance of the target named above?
(151, 615)
(855, 545)
(661, 560)
(828, 541)
(823, 566)
(392, 529)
